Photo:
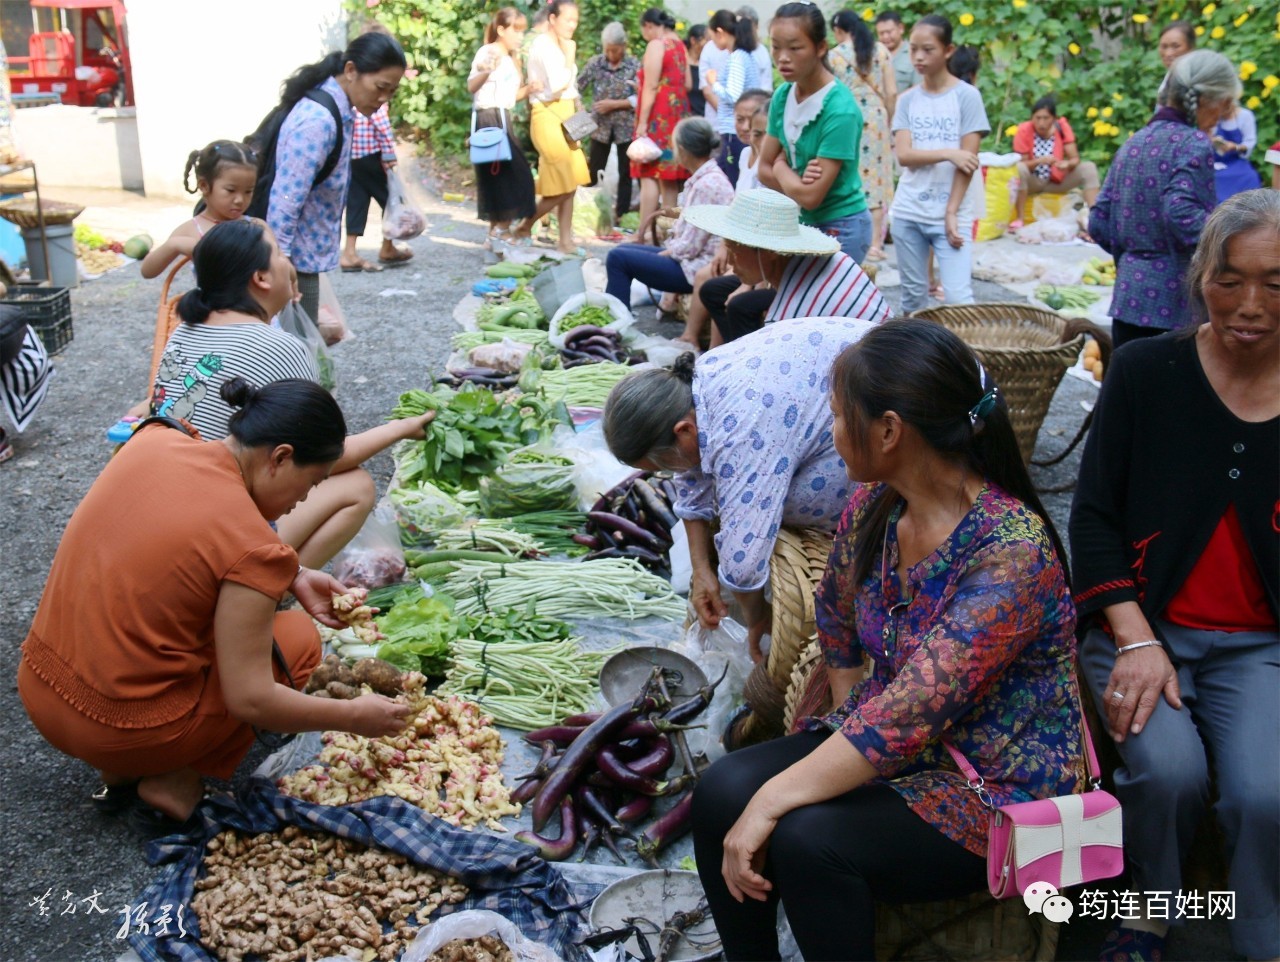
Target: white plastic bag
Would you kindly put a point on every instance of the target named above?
(595, 469)
(295, 321)
(643, 151)
(331, 319)
(1050, 228)
(472, 924)
(401, 220)
(622, 322)
(716, 650)
(373, 558)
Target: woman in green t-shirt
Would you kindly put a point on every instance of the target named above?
(815, 133)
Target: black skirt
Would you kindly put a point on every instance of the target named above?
(504, 192)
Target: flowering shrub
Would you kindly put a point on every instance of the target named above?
(1101, 61)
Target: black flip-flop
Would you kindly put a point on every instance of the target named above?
(114, 799)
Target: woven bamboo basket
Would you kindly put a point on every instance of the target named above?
(808, 693)
(974, 929)
(799, 558)
(1026, 349)
(22, 211)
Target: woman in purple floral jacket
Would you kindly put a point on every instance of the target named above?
(947, 572)
(1158, 194)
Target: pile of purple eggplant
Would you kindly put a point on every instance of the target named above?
(634, 520)
(588, 344)
(605, 772)
(484, 376)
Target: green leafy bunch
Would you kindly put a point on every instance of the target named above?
(1100, 60)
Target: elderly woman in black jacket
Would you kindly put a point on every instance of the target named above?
(1174, 534)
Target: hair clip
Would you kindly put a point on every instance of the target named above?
(986, 404)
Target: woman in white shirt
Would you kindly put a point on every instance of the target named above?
(504, 190)
(562, 168)
(737, 36)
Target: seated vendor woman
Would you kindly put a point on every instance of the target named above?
(671, 268)
(749, 429)
(1051, 161)
(151, 654)
(947, 573)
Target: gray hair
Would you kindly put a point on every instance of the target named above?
(613, 34)
(1202, 76)
(1244, 212)
(696, 137)
(643, 409)
(750, 14)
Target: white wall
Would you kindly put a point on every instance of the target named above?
(207, 71)
(80, 146)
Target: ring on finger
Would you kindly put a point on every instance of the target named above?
(1117, 695)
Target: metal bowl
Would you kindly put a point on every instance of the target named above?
(657, 895)
(622, 676)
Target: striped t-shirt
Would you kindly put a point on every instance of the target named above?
(200, 358)
(826, 286)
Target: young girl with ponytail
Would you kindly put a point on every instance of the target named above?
(736, 36)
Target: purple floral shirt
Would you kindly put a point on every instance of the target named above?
(1154, 202)
(979, 644)
(308, 222)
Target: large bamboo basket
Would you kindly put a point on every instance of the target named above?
(1026, 349)
(22, 211)
(976, 929)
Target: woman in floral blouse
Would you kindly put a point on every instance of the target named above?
(610, 78)
(947, 573)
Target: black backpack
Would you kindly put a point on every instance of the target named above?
(264, 140)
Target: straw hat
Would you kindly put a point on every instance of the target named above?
(761, 218)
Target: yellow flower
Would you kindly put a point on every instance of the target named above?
(1199, 31)
(1208, 9)
(1270, 81)
(966, 19)
(1107, 111)
(868, 14)
(1091, 112)
(680, 25)
(1100, 128)
(1019, 3)
(1218, 33)
(1247, 69)
(1074, 48)
(1011, 130)
(1118, 97)
(1253, 103)
(1239, 21)
(1140, 18)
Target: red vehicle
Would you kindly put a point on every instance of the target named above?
(86, 65)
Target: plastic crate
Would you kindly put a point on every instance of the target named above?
(48, 310)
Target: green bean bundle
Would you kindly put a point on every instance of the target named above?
(584, 386)
(467, 340)
(525, 685)
(488, 538)
(609, 587)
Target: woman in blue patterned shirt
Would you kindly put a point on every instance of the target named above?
(306, 216)
(1158, 194)
(947, 573)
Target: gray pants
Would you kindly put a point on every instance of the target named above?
(1231, 713)
(309, 287)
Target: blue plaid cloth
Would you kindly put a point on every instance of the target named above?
(505, 876)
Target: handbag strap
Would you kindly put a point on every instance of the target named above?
(978, 785)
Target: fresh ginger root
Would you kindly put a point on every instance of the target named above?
(351, 610)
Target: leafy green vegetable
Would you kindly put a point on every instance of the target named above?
(529, 481)
(419, 634)
(424, 509)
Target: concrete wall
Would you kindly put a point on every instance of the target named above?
(81, 146)
(206, 71)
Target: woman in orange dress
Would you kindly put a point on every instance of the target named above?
(664, 83)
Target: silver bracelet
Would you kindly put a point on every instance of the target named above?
(1139, 644)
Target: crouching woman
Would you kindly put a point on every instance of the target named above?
(157, 646)
(947, 573)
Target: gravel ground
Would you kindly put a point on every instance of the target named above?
(57, 842)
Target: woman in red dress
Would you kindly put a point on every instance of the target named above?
(664, 83)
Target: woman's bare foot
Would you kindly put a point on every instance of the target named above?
(176, 794)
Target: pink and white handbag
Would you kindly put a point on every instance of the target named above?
(1066, 841)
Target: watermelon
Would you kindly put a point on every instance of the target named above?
(138, 246)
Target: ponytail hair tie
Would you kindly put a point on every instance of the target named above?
(986, 404)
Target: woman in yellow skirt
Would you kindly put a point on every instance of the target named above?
(562, 168)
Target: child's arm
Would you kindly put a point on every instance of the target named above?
(908, 156)
(969, 144)
(180, 244)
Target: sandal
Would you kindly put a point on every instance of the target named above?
(875, 254)
(1131, 945)
(938, 292)
(1016, 225)
(360, 266)
(114, 799)
(402, 254)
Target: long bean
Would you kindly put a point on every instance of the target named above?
(489, 538)
(587, 385)
(609, 587)
(467, 340)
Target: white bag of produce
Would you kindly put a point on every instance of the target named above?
(715, 650)
(595, 469)
(622, 321)
(471, 925)
(373, 558)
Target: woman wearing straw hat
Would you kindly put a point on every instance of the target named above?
(748, 428)
(805, 272)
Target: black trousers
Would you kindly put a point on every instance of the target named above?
(829, 863)
(1123, 331)
(598, 157)
(742, 315)
(368, 180)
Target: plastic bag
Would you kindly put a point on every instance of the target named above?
(424, 509)
(372, 558)
(595, 469)
(556, 285)
(331, 321)
(294, 320)
(643, 151)
(472, 924)
(622, 322)
(592, 211)
(401, 219)
(1051, 227)
(716, 650)
(506, 356)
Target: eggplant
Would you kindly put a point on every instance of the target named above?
(669, 490)
(591, 833)
(655, 504)
(557, 849)
(586, 540)
(560, 734)
(654, 762)
(582, 718)
(635, 809)
(642, 554)
(626, 777)
(665, 830)
(688, 710)
(612, 846)
(604, 553)
(591, 806)
(629, 529)
(526, 790)
(597, 340)
(583, 330)
(583, 748)
(649, 727)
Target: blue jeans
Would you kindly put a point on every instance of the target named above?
(643, 263)
(853, 233)
(955, 267)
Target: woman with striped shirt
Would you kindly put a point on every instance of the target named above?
(736, 35)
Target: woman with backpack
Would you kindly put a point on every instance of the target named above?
(305, 152)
